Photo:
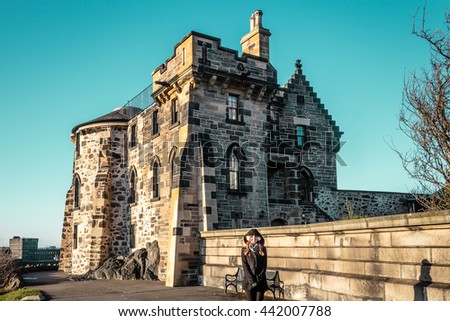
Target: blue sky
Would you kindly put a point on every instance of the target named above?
(66, 62)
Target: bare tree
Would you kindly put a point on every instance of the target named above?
(425, 119)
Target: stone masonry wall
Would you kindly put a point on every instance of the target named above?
(171, 217)
(303, 108)
(101, 216)
(397, 257)
(364, 203)
(218, 135)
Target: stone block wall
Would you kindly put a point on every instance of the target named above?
(162, 216)
(302, 107)
(337, 203)
(398, 257)
(95, 229)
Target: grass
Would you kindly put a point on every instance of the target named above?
(18, 294)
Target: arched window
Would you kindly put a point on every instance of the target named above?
(278, 222)
(155, 179)
(133, 186)
(234, 171)
(76, 192)
(172, 166)
(234, 157)
(306, 185)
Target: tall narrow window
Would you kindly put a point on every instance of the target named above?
(184, 56)
(76, 192)
(132, 187)
(175, 111)
(75, 237)
(155, 123)
(133, 236)
(133, 136)
(77, 144)
(155, 180)
(305, 187)
(301, 135)
(234, 171)
(232, 107)
(172, 171)
(172, 160)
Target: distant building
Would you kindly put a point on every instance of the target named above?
(22, 248)
(26, 250)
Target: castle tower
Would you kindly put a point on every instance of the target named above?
(256, 42)
(96, 210)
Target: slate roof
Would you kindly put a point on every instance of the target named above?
(123, 114)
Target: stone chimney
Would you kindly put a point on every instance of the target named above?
(256, 42)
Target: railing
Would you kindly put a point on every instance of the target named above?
(141, 100)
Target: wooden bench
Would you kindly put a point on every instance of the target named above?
(273, 281)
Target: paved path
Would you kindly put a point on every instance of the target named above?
(58, 287)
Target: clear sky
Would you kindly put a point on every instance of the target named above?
(66, 62)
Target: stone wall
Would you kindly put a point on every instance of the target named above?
(398, 257)
(98, 227)
(338, 203)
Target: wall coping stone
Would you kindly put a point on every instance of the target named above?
(391, 221)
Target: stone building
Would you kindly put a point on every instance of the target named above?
(26, 251)
(221, 146)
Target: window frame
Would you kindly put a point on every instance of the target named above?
(155, 180)
(132, 186)
(75, 237)
(233, 172)
(76, 192)
(133, 236)
(155, 123)
(303, 137)
(77, 144)
(233, 108)
(133, 136)
(175, 111)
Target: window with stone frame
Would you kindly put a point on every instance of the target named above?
(75, 237)
(133, 140)
(234, 171)
(155, 124)
(301, 135)
(132, 186)
(183, 56)
(76, 192)
(305, 187)
(133, 236)
(77, 144)
(175, 111)
(233, 107)
(155, 180)
(172, 172)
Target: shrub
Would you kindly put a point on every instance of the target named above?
(8, 267)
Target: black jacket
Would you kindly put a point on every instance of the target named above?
(254, 266)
